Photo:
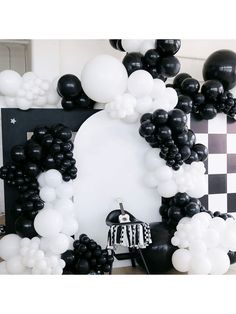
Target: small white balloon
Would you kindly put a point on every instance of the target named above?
(219, 261)
(131, 45)
(47, 194)
(158, 88)
(23, 103)
(167, 188)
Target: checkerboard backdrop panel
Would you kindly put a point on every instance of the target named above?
(219, 135)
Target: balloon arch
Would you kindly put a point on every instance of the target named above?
(190, 237)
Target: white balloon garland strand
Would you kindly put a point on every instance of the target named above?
(203, 244)
(55, 224)
(27, 91)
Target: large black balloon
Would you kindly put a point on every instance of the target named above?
(221, 65)
(158, 254)
(69, 86)
(190, 86)
(185, 103)
(168, 47)
(168, 66)
(25, 227)
(34, 152)
(151, 57)
(82, 267)
(133, 62)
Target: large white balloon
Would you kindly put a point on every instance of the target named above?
(48, 223)
(47, 194)
(103, 78)
(10, 82)
(219, 260)
(140, 83)
(9, 246)
(65, 190)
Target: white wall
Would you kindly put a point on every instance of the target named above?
(56, 57)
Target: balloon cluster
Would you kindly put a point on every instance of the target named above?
(182, 205)
(155, 56)
(169, 132)
(204, 243)
(87, 257)
(58, 215)
(188, 178)
(48, 148)
(204, 103)
(25, 256)
(27, 91)
(70, 89)
(144, 94)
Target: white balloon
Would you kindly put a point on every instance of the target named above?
(158, 88)
(167, 189)
(144, 105)
(41, 179)
(164, 173)
(150, 180)
(199, 265)
(181, 260)
(47, 194)
(23, 103)
(9, 246)
(10, 102)
(70, 226)
(14, 265)
(211, 238)
(172, 97)
(103, 78)
(25, 242)
(133, 118)
(140, 83)
(229, 240)
(197, 247)
(59, 243)
(53, 98)
(53, 178)
(48, 223)
(10, 82)
(64, 206)
(65, 190)
(29, 76)
(40, 101)
(219, 261)
(131, 45)
(218, 223)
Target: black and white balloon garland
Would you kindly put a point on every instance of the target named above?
(155, 56)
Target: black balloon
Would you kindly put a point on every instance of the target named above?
(158, 254)
(83, 101)
(211, 89)
(185, 103)
(167, 47)
(159, 116)
(185, 152)
(18, 153)
(68, 257)
(133, 62)
(168, 66)
(68, 104)
(190, 86)
(69, 86)
(177, 119)
(208, 111)
(32, 169)
(201, 151)
(147, 128)
(191, 138)
(151, 57)
(221, 66)
(34, 152)
(192, 209)
(180, 78)
(25, 227)
(181, 199)
(82, 267)
(146, 117)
